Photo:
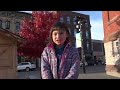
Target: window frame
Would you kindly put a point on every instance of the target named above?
(0, 23)
(7, 24)
(17, 26)
(68, 20)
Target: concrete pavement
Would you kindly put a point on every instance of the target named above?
(92, 72)
(97, 76)
(96, 72)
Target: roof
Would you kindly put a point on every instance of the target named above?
(10, 34)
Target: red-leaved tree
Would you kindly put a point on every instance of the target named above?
(35, 32)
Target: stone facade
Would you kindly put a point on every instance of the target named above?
(12, 17)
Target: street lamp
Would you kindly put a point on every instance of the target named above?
(80, 25)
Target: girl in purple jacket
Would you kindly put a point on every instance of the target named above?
(60, 60)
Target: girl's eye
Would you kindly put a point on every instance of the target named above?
(61, 32)
(55, 34)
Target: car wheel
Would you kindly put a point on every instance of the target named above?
(27, 69)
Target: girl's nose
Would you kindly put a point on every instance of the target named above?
(58, 35)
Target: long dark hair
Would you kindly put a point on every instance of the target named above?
(59, 26)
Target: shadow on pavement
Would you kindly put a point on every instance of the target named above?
(93, 69)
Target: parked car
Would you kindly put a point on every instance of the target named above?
(26, 66)
(81, 64)
(91, 63)
(101, 62)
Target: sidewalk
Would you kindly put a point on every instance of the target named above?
(97, 72)
(114, 74)
(96, 76)
(92, 72)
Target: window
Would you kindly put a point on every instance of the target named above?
(25, 63)
(68, 20)
(69, 31)
(108, 16)
(61, 19)
(78, 40)
(118, 50)
(118, 47)
(116, 43)
(87, 45)
(86, 23)
(7, 25)
(74, 21)
(87, 35)
(17, 26)
(75, 32)
(113, 51)
(96, 48)
(0, 23)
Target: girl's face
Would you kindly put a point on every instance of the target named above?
(59, 37)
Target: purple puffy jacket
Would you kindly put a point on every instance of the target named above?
(69, 66)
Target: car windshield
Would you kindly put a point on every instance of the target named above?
(24, 63)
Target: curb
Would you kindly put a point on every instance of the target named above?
(116, 74)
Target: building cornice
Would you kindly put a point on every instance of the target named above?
(14, 14)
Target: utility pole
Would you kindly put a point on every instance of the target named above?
(80, 26)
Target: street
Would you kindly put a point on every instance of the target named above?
(92, 72)
(29, 75)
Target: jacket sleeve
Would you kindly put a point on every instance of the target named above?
(75, 67)
(45, 66)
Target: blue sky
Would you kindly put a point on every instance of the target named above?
(96, 23)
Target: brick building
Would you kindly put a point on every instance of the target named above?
(70, 20)
(111, 23)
